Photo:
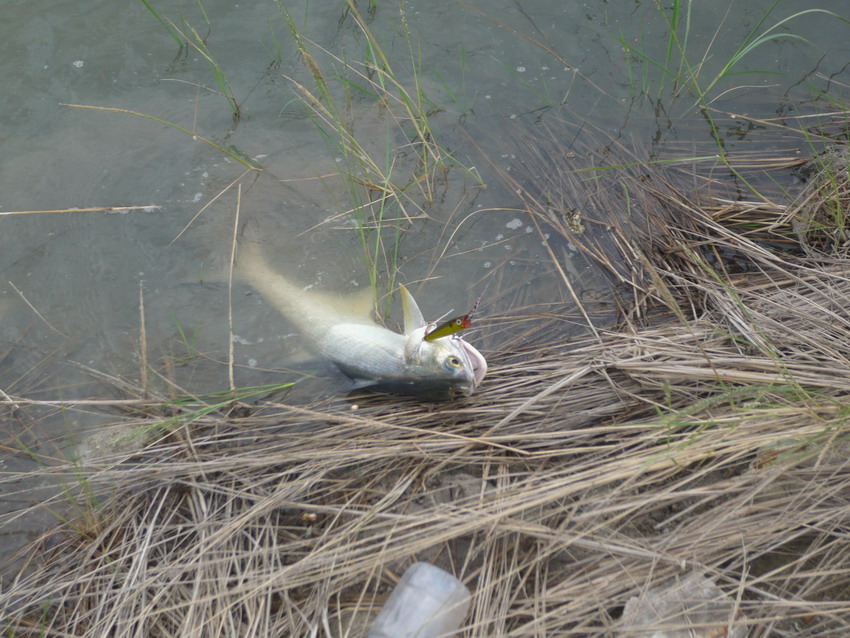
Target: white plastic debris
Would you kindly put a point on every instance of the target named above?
(692, 607)
(427, 603)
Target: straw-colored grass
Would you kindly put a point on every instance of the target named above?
(707, 432)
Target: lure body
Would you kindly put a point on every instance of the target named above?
(450, 327)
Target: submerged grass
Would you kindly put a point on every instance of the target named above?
(681, 70)
(187, 36)
(705, 432)
(391, 170)
(392, 173)
(232, 153)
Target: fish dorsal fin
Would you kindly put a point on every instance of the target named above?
(413, 319)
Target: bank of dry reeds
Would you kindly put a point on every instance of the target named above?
(705, 432)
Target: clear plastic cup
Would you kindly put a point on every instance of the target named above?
(427, 603)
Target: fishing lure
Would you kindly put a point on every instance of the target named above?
(450, 327)
(464, 322)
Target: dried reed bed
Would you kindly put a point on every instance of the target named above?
(706, 432)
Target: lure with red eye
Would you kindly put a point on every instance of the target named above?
(450, 327)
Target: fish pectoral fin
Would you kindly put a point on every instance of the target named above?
(413, 342)
(413, 319)
(362, 384)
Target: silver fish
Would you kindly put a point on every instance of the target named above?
(373, 356)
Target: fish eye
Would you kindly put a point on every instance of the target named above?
(454, 361)
(458, 393)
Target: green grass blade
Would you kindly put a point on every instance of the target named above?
(164, 23)
(221, 149)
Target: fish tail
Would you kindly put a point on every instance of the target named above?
(252, 267)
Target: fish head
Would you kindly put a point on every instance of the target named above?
(448, 367)
(444, 369)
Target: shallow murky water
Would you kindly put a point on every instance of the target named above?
(493, 83)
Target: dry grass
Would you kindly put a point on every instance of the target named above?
(706, 432)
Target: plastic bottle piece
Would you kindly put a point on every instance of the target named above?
(427, 603)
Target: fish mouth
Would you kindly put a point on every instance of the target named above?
(477, 362)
